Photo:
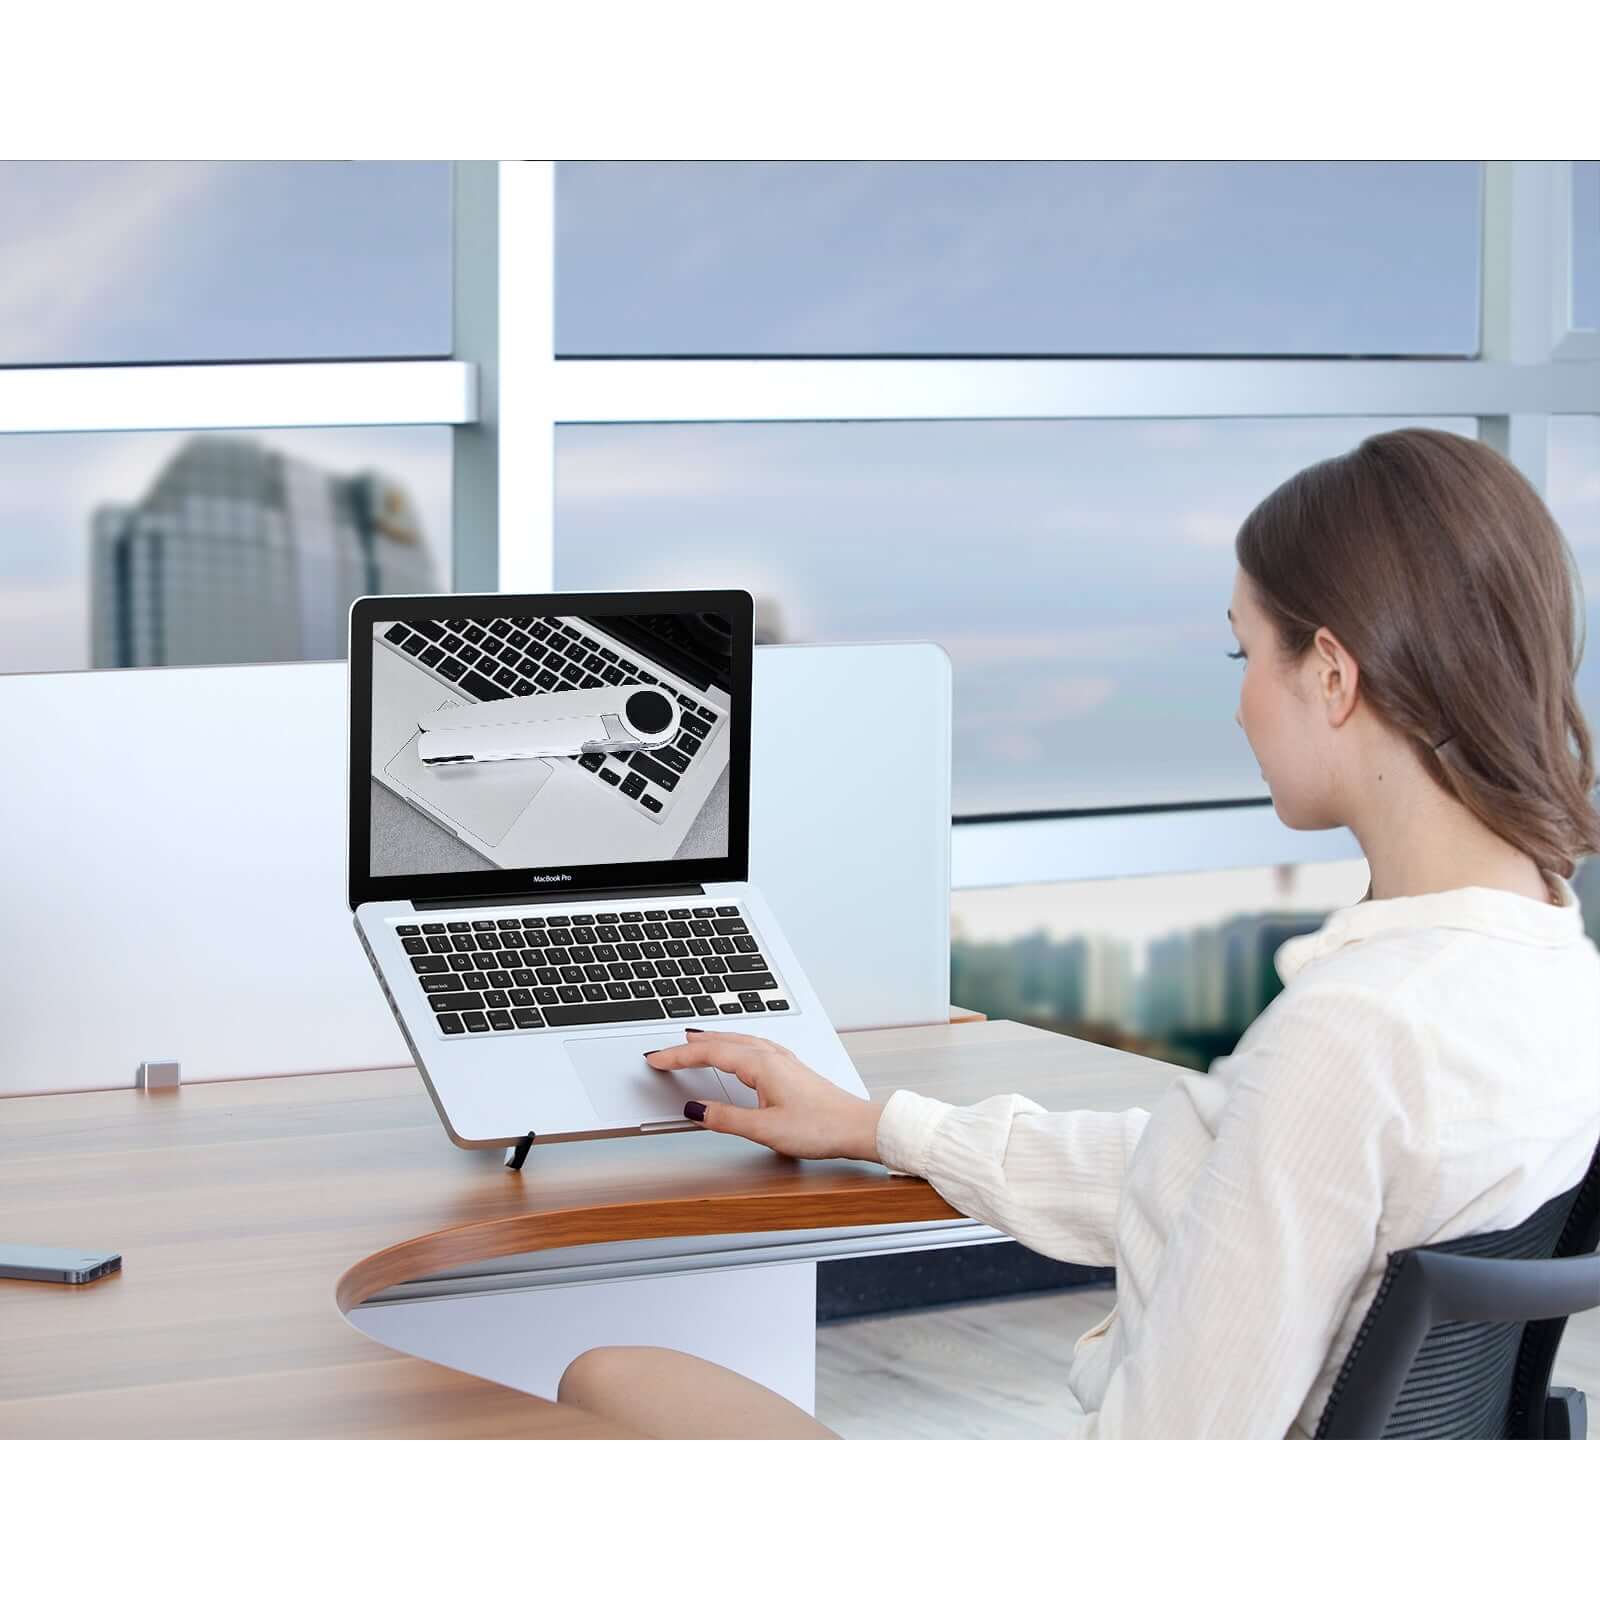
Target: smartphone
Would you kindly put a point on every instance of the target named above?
(50, 1264)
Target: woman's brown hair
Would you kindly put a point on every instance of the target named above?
(1436, 565)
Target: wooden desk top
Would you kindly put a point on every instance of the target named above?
(250, 1214)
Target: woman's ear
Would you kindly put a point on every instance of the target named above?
(1338, 677)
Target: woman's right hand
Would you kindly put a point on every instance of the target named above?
(800, 1112)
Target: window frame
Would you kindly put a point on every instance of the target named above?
(504, 382)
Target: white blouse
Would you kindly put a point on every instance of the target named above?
(1431, 1070)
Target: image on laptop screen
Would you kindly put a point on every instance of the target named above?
(529, 742)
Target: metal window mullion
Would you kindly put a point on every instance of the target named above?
(289, 394)
(988, 855)
(756, 390)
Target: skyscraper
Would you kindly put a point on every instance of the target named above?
(242, 553)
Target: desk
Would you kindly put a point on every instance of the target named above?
(251, 1214)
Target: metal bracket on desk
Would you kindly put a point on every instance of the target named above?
(519, 1153)
(154, 1075)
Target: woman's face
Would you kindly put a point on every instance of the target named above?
(1281, 717)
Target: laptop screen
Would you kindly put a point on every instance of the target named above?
(562, 742)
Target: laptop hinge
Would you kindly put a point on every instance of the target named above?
(633, 892)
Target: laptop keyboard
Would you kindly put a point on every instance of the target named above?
(579, 969)
(514, 656)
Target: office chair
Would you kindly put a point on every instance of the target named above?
(1460, 1338)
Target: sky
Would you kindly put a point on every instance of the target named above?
(1077, 572)
(1046, 257)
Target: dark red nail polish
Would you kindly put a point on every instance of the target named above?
(694, 1030)
(694, 1111)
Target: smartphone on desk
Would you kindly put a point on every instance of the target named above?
(45, 1263)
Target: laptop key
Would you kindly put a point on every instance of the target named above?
(752, 1002)
(428, 964)
(450, 1022)
(460, 963)
(467, 1001)
(673, 758)
(476, 1021)
(608, 1011)
(594, 991)
(662, 777)
(730, 1010)
(444, 983)
(432, 656)
(474, 980)
(414, 947)
(526, 1017)
(649, 802)
(544, 996)
(617, 990)
(396, 634)
(705, 1007)
(777, 1005)
(407, 930)
(746, 963)
(633, 916)
(641, 988)
(414, 645)
(500, 1021)
(439, 945)
(633, 785)
(679, 1008)
(570, 993)
(518, 997)
(480, 688)
(752, 980)
(452, 669)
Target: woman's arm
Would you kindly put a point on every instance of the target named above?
(1049, 1179)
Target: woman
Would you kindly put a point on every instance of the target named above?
(1405, 614)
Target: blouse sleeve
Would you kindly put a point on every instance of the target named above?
(1323, 1121)
(1049, 1179)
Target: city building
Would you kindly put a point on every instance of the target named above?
(238, 552)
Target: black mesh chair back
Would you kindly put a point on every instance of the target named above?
(1461, 1337)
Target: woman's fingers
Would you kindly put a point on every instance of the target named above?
(745, 1061)
(722, 1118)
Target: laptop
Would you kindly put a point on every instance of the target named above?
(549, 856)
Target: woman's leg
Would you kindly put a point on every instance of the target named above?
(669, 1395)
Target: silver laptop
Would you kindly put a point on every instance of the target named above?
(548, 855)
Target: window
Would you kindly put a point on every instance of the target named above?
(160, 549)
(1573, 495)
(1586, 245)
(1034, 258)
(1175, 966)
(173, 261)
(1078, 573)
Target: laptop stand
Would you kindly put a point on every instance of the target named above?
(519, 1153)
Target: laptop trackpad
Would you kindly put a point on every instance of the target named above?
(627, 1091)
